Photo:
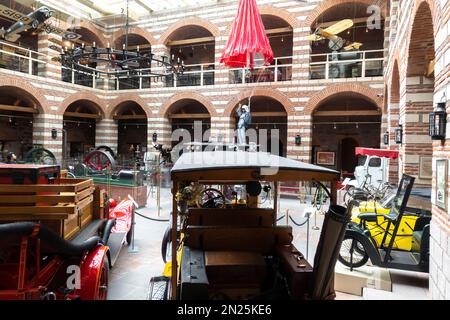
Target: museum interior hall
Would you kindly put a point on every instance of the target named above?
(291, 150)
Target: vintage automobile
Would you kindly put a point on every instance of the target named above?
(229, 251)
(394, 240)
(58, 237)
(417, 215)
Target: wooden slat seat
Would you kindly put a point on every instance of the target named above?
(232, 217)
(262, 240)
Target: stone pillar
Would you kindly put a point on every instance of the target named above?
(301, 54)
(159, 51)
(392, 121)
(106, 134)
(163, 128)
(417, 144)
(299, 125)
(222, 72)
(223, 129)
(43, 124)
(50, 69)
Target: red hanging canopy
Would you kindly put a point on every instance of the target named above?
(377, 152)
(248, 40)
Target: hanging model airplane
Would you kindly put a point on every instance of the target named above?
(331, 33)
(35, 20)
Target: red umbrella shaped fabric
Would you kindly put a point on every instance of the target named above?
(248, 41)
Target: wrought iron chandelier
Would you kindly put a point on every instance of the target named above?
(110, 62)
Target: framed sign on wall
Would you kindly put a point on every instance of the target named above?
(426, 168)
(326, 158)
(441, 183)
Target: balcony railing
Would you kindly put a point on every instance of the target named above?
(352, 64)
(194, 75)
(279, 70)
(322, 66)
(20, 59)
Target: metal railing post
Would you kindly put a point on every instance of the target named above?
(30, 63)
(276, 70)
(327, 68)
(202, 76)
(363, 71)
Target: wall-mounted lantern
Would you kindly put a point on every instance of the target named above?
(399, 135)
(54, 134)
(386, 138)
(298, 140)
(155, 137)
(438, 122)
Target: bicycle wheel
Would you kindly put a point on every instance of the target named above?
(348, 196)
(352, 253)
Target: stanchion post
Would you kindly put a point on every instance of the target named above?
(158, 200)
(315, 221)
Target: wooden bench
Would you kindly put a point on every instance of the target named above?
(263, 240)
(232, 217)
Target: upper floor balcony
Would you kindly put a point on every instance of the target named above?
(345, 65)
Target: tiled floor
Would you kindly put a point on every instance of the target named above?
(130, 277)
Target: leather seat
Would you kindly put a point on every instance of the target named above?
(51, 243)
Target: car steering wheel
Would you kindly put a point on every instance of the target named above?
(211, 198)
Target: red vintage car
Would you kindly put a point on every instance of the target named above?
(38, 264)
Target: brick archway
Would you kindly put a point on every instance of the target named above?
(93, 29)
(370, 94)
(34, 93)
(394, 89)
(187, 96)
(421, 24)
(326, 5)
(136, 31)
(280, 13)
(99, 104)
(117, 103)
(189, 22)
(260, 92)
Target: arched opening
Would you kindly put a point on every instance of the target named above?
(341, 123)
(417, 147)
(195, 46)
(17, 110)
(132, 129)
(80, 120)
(281, 37)
(136, 43)
(189, 118)
(343, 57)
(75, 74)
(12, 57)
(269, 122)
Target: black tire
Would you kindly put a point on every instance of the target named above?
(352, 253)
(166, 243)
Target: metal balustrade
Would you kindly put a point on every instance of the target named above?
(354, 64)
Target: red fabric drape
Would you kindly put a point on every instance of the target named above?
(248, 40)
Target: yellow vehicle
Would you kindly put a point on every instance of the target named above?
(372, 215)
(236, 251)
